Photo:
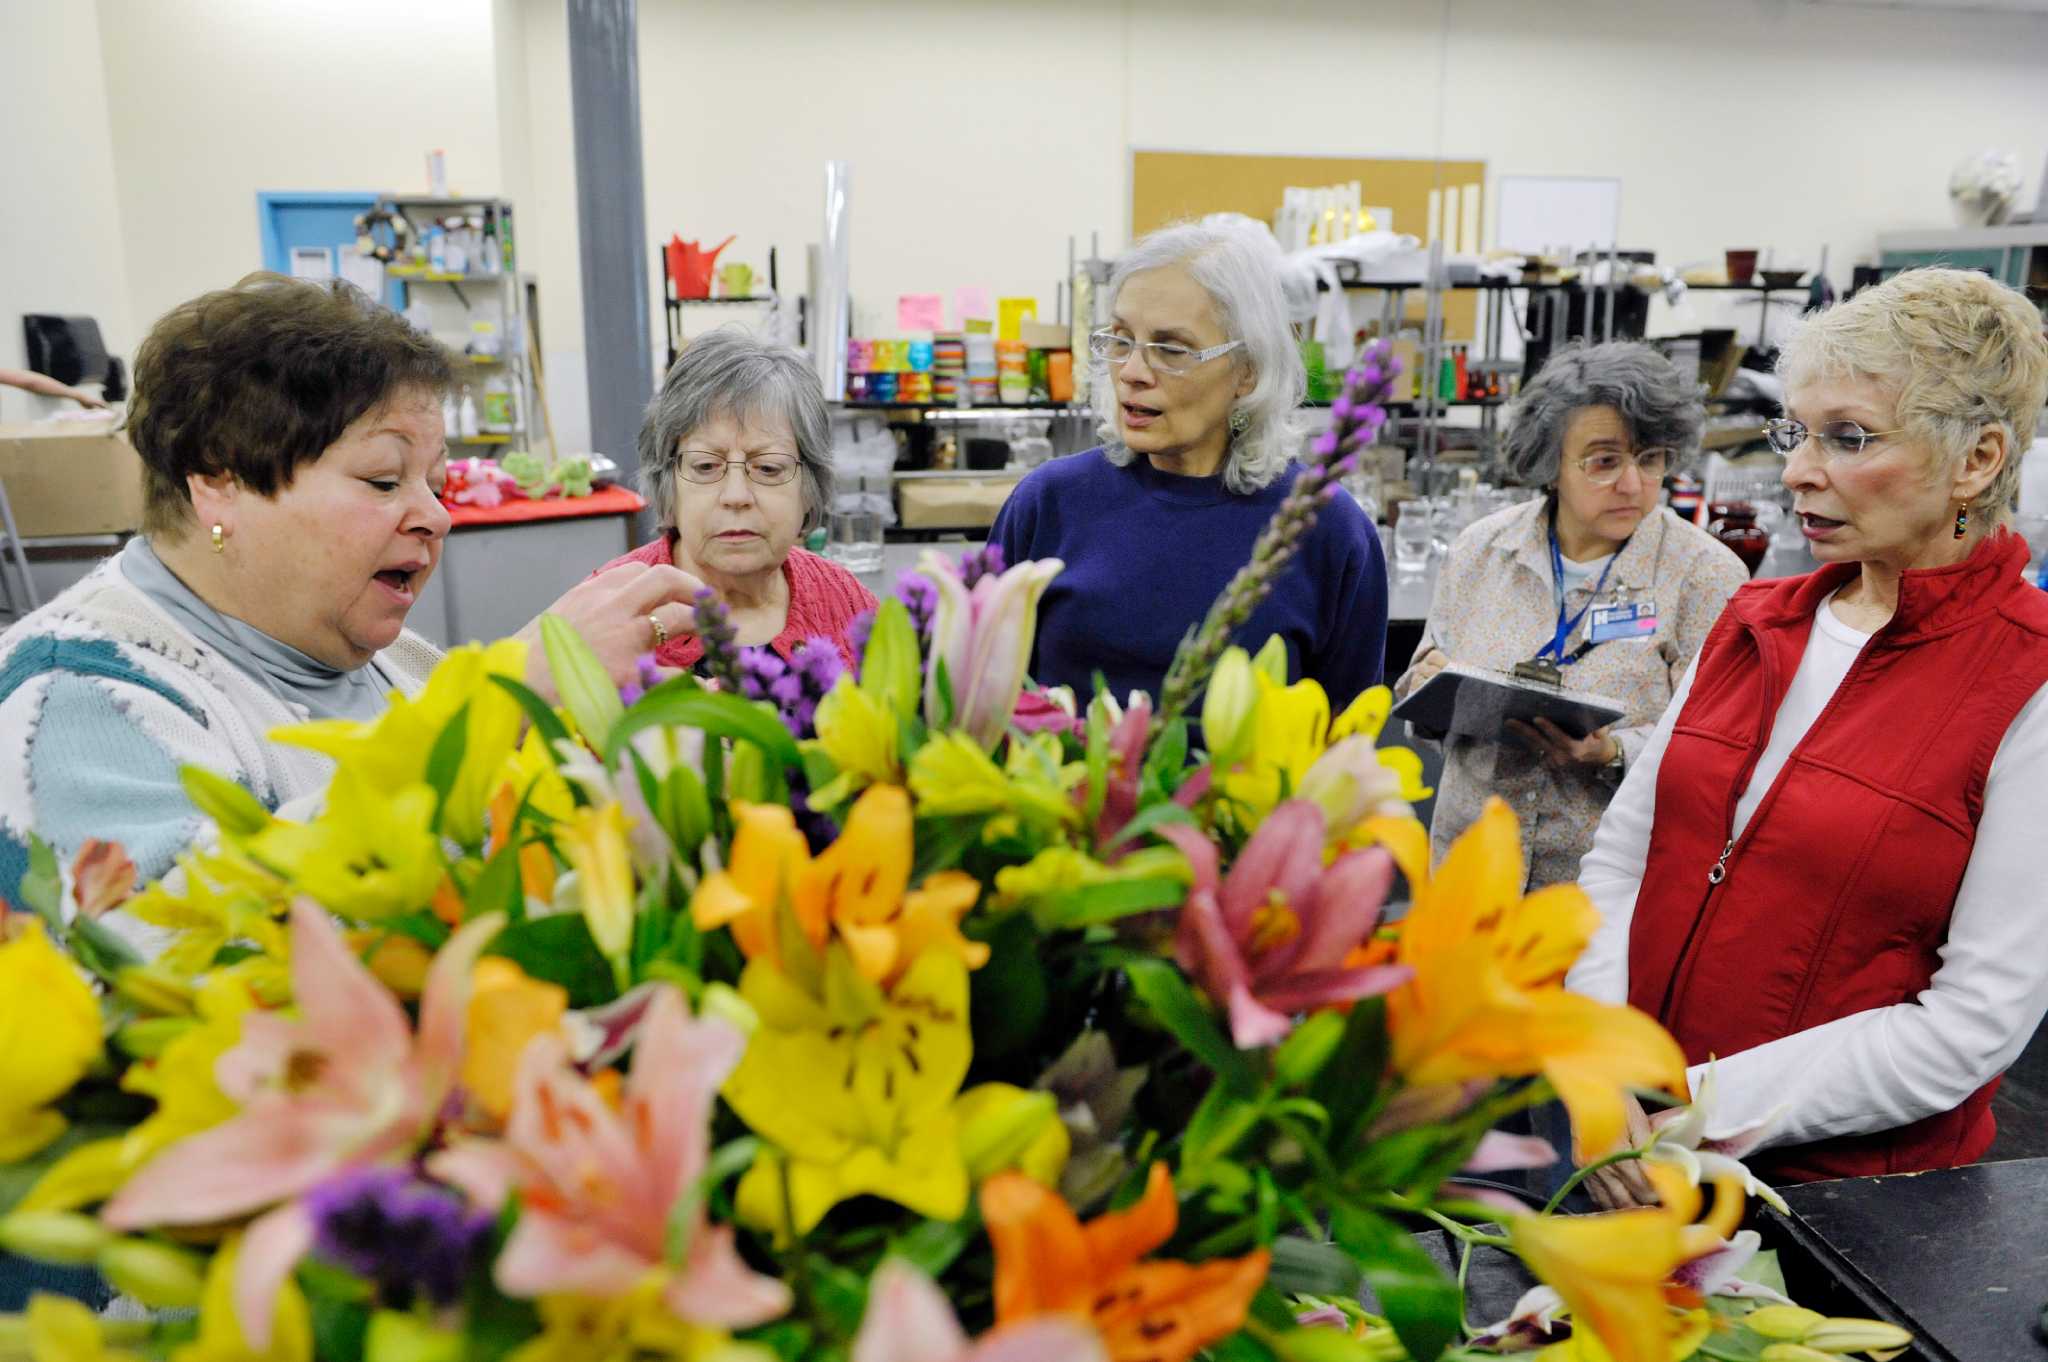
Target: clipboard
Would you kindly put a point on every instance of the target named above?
(1475, 702)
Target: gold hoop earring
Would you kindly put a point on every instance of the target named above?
(220, 538)
(1962, 518)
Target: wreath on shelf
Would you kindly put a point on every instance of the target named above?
(366, 235)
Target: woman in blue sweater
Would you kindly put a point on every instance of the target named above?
(1198, 380)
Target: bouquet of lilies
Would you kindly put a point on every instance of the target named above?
(892, 1013)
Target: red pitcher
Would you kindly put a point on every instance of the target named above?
(690, 266)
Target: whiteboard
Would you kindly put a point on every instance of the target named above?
(1537, 212)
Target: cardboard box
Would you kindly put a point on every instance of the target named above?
(952, 503)
(70, 477)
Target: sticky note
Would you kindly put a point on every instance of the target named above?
(972, 303)
(921, 312)
(1011, 314)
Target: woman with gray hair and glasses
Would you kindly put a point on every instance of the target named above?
(736, 455)
(1596, 579)
(1198, 377)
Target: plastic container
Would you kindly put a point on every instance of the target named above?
(860, 357)
(497, 405)
(920, 357)
(1059, 375)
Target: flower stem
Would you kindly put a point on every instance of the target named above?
(1579, 1175)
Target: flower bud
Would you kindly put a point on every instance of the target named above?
(158, 1275)
(1782, 1321)
(64, 1238)
(1856, 1336)
(1797, 1352)
(1003, 1126)
(147, 1039)
(1227, 708)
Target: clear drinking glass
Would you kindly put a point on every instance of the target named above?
(1411, 539)
(856, 540)
(1443, 526)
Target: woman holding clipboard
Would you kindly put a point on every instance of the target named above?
(1596, 580)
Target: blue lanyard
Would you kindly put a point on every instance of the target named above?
(1554, 650)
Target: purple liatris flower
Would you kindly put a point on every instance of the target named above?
(647, 675)
(720, 639)
(857, 632)
(407, 1235)
(975, 564)
(794, 687)
(920, 596)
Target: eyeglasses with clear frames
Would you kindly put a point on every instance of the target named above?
(1604, 470)
(1836, 437)
(766, 470)
(1164, 357)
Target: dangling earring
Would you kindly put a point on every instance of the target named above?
(1240, 420)
(1962, 518)
(220, 538)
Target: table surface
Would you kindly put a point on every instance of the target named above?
(519, 510)
(1959, 1252)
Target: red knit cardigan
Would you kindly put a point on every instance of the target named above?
(823, 600)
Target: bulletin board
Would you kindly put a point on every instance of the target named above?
(1169, 186)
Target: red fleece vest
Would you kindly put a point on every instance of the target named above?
(1836, 898)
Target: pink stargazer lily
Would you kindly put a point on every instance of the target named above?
(1271, 940)
(599, 1188)
(346, 1083)
(908, 1320)
(983, 637)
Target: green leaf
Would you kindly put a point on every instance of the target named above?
(942, 686)
(1148, 819)
(941, 843)
(1164, 991)
(580, 679)
(1395, 1160)
(1094, 904)
(1324, 1344)
(42, 884)
(1308, 1048)
(889, 669)
(683, 702)
(558, 950)
(931, 1246)
(840, 1293)
(16, 1179)
(1219, 1123)
(538, 713)
(340, 1327)
(1303, 1267)
(444, 762)
(1168, 759)
(1239, 1347)
(1419, 1300)
(1097, 759)
(99, 949)
(733, 1157)
(684, 809)
(1350, 1081)
(395, 1337)
(1007, 1003)
(237, 812)
(499, 888)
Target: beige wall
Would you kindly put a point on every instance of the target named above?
(982, 132)
(60, 240)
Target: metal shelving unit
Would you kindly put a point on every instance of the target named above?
(672, 305)
(501, 293)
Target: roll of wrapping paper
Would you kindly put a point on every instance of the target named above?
(835, 270)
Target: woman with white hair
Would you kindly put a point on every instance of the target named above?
(1199, 377)
(1596, 578)
(1824, 870)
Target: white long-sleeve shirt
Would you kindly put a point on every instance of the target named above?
(1888, 1066)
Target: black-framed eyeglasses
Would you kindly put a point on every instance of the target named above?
(768, 470)
(1167, 357)
(1836, 437)
(1604, 469)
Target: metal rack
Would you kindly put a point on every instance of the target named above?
(672, 306)
(501, 292)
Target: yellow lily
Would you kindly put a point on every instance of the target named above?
(855, 1090)
(1694, 1328)
(1003, 1126)
(59, 1329)
(223, 896)
(1058, 871)
(952, 776)
(50, 1034)
(1290, 727)
(390, 754)
(1486, 998)
(187, 1101)
(1612, 1269)
(506, 1011)
(220, 1331)
(635, 1327)
(860, 884)
(593, 841)
(768, 857)
(369, 854)
(860, 732)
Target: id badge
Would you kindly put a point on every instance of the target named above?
(1606, 623)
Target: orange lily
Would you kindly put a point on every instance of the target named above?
(507, 1009)
(1487, 996)
(859, 885)
(1613, 1270)
(536, 862)
(768, 857)
(1048, 1262)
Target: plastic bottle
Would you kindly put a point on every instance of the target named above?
(451, 417)
(493, 260)
(437, 250)
(466, 413)
(497, 409)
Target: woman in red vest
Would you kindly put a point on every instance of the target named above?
(1826, 870)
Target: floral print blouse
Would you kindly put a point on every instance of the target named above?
(1494, 607)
